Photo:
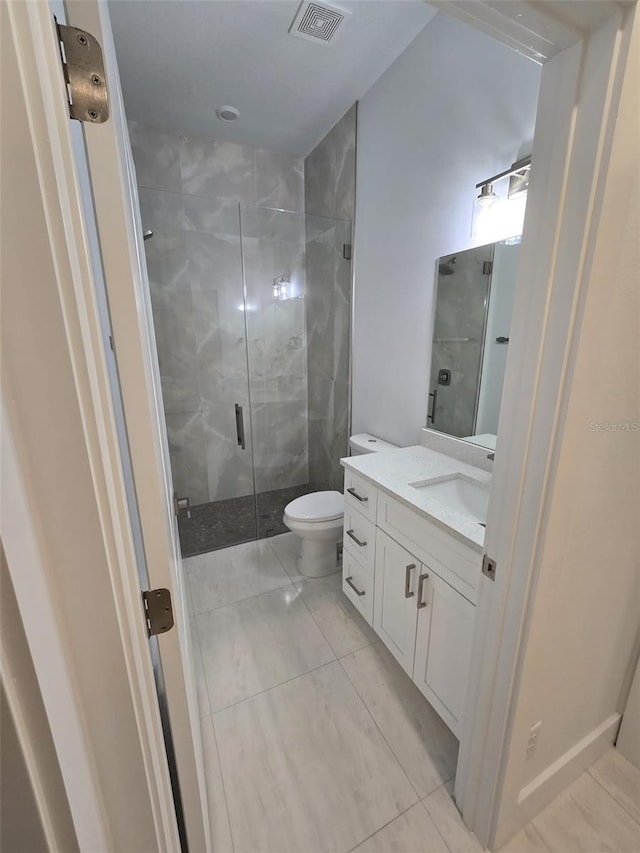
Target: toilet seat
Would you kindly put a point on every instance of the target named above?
(316, 507)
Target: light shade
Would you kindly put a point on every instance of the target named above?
(487, 196)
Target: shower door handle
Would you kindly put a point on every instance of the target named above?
(431, 415)
(240, 427)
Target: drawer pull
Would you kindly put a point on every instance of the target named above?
(423, 577)
(407, 581)
(353, 536)
(357, 591)
(357, 496)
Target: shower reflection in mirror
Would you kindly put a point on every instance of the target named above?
(473, 306)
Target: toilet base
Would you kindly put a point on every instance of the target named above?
(318, 558)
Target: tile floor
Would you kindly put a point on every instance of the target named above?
(316, 741)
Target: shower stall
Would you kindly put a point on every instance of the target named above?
(253, 348)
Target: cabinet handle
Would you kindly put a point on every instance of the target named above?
(357, 496)
(354, 587)
(352, 535)
(423, 577)
(407, 581)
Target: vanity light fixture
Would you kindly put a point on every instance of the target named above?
(518, 176)
(497, 217)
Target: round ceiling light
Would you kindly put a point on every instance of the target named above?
(227, 113)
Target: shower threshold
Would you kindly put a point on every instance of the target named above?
(219, 524)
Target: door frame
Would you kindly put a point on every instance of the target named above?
(577, 113)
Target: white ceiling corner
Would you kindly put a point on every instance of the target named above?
(180, 59)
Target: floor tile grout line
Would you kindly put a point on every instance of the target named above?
(316, 623)
(611, 796)
(337, 656)
(429, 815)
(248, 598)
(273, 687)
(391, 750)
(266, 690)
(204, 672)
(224, 787)
(346, 654)
(280, 560)
(187, 580)
(228, 604)
(384, 826)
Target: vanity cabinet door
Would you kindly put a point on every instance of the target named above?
(443, 649)
(394, 612)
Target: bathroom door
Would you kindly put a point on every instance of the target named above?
(101, 174)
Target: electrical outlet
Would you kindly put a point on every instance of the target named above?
(532, 743)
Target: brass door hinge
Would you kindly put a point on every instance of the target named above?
(83, 69)
(158, 611)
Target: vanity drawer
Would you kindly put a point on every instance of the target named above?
(360, 494)
(456, 563)
(359, 537)
(357, 584)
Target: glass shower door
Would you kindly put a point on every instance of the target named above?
(297, 274)
(194, 261)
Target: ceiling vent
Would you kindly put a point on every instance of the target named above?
(318, 22)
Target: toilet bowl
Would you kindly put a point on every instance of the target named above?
(317, 520)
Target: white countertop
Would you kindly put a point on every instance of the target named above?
(393, 470)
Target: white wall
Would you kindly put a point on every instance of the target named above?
(455, 108)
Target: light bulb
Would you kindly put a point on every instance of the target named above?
(487, 196)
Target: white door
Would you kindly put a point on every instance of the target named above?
(443, 649)
(395, 612)
(105, 174)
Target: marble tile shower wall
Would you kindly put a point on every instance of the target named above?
(329, 183)
(190, 189)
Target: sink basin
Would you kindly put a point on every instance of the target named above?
(460, 494)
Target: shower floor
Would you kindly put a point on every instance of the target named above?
(218, 524)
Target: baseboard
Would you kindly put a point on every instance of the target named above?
(554, 779)
(569, 766)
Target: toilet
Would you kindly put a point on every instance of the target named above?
(317, 518)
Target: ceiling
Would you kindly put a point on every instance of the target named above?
(181, 59)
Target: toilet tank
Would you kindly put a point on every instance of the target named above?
(365, 443)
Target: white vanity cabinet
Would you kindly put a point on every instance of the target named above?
(444, 640)
(394, 610)
(426, 625)
(416, 585)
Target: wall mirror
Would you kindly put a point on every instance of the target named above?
(474, 302)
